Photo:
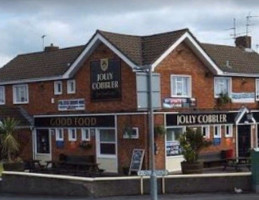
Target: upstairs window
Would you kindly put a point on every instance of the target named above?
(58, 87)
(257, 89)
(71, 86)
(180, 86)
(222, 85)
(2, 95)
(20, 94)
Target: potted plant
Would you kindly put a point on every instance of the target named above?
(10, 145)
(192, 142)
(159, 130)
(223, 99)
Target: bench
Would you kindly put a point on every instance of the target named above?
(76, 165)
(212, 159)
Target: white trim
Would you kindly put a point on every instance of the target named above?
(56, 86)
(15, 97)
(219, 131)
(136, 136)
(3, 88)
(70, 138)
(189, 82)
(97, 38)
(58, 138)
(230, 130)
(52, 78)
(229, 85)
(193, 43)
(69, 91)
(83, 134)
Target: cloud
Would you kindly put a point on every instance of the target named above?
(69, 23)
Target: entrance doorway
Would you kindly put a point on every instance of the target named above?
(173, 151)
(106, 144)
(244, 140)
(42, 145)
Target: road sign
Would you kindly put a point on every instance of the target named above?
(148, 172)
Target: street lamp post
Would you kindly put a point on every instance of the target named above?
(153, 178)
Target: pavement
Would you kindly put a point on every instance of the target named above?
(215, 196)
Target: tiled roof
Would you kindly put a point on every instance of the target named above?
(233, 59)
(40, 64)
(14, 112)
(143, 50)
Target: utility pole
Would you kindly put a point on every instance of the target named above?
(153, 178)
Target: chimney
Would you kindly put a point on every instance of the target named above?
(51, 48)
(243, 42)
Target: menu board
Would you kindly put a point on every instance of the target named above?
(136, 160)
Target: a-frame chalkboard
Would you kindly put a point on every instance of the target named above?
(136, 160)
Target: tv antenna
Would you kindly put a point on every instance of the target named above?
(248, 22)
(234, 28)
(43, 38)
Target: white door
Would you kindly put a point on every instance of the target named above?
(106, 144)
(173, 150)
(42, 147)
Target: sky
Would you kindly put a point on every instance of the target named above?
(72, 22)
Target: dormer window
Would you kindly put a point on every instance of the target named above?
(58, 87)
(20, 94)
(181, 86)
(71, 86)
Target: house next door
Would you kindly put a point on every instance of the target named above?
(42, 145)
(244, 140)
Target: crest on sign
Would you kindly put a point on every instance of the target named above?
(104, 64)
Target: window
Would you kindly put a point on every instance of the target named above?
(205, 131)
(131, 134)
(2, 95)
(59, 134)
(71, 86)
(217, 131)
(257, 89)
(20, 94)
(172, 141)
(85, 134)
(228, 130)
(107, 145)
(72, 134)
(57, 87)
(180, 86)
(222, 85)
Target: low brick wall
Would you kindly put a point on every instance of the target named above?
(43, 184)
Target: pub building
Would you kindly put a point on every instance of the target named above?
(92, 99)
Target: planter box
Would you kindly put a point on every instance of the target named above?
(192, 168)
(18, 166)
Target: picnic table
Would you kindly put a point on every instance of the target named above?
(237, 163)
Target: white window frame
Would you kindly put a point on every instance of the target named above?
(219, 131)
(3, 92)
(69, 90)
(229, 85)
(133, 136)
(256, 89)
(15, 97)
(207, 131)
(99, 154)
(70, 138)
(189, 85)
(83, 134)
(56, 91)
(58, 131)
(230, 134)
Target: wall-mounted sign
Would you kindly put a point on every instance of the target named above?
(75, 121)
(200, 118)
(243, 97)
(105, 79)
(71, 104)
(179, 102)
(173, 148)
